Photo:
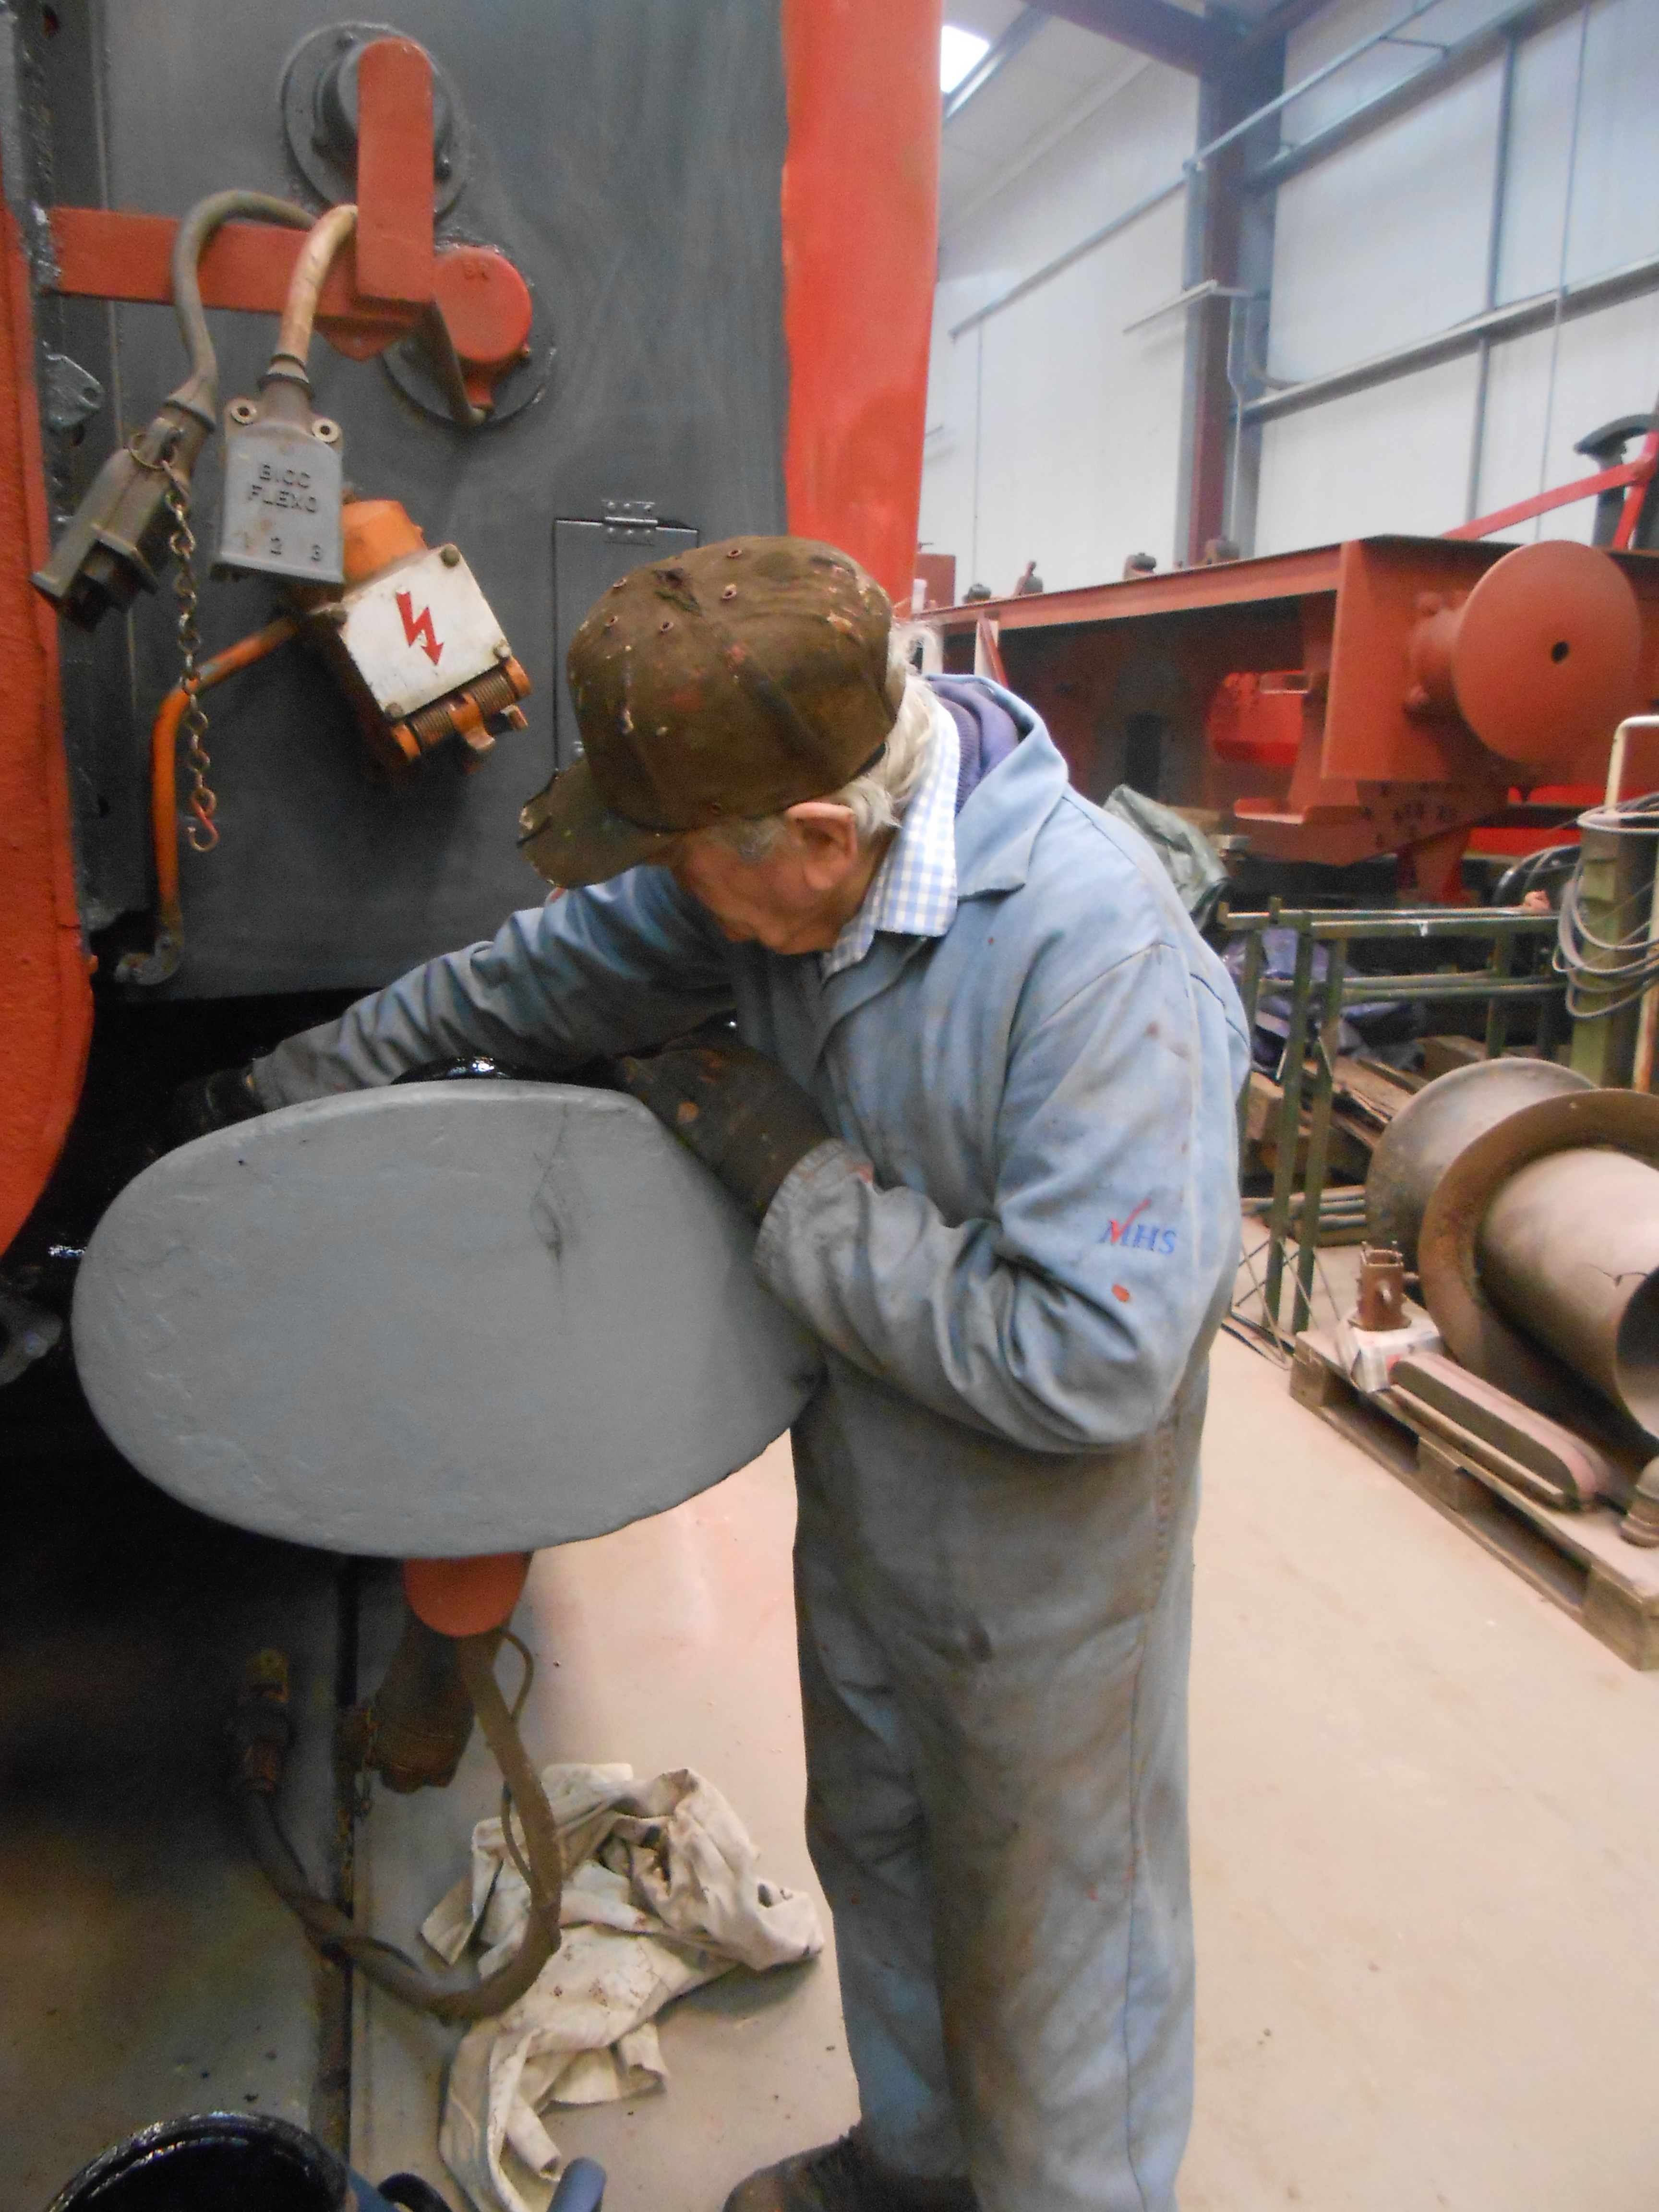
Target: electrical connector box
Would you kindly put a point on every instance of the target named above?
(419, 629)
(284, 487)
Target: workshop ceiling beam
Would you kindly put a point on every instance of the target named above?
(1197, 44)
(1279, 23)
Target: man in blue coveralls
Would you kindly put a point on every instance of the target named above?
(982, 1111)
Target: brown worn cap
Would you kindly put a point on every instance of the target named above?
(729, 683)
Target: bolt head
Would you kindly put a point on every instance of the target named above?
(393, 709)
(450, 556)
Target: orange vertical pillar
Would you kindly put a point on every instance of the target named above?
(46, 1001)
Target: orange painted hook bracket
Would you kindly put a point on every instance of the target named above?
(382, 284)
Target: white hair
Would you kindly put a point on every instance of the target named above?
(877, 798)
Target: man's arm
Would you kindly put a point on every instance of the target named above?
(620, 967)
(1064, 1323)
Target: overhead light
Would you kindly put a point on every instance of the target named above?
(959, 52)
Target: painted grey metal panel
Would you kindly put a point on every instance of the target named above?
(628, 157)
(435, 1320)
(588, 557)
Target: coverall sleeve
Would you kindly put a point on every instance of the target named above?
(616, 968)
(1065, 1320)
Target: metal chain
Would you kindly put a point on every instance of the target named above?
(202, 802)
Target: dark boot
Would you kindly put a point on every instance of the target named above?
(846, 2177)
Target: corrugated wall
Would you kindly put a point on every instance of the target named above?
(1389, 242)
(1055, 435)
(1052, 435)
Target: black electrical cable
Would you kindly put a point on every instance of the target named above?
(198, 394)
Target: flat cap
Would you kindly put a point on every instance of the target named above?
(728, 682)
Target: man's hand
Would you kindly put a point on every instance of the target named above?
(736, 1110)
(212, 1102)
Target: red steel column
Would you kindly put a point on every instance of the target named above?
(860, 221)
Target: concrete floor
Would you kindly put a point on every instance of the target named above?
(1425, 1812)
(1424, 1808)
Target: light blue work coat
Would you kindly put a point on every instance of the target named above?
(1045, 1094)
(1015, 1252)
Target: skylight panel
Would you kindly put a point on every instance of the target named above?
(959, 52)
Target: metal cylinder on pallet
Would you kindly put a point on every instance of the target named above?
(1446, 1116)
(1568, 1250)
(1538, 1252)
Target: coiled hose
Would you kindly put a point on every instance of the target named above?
(1626, 966)
(262, 1733)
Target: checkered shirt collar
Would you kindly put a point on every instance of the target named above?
(914, 891)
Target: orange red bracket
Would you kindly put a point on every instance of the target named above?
(379, 286)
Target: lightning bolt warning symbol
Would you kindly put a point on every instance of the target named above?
(419, 626)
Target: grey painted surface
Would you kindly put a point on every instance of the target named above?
(628, 158)
(435, 1320)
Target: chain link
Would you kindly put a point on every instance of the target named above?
(202, 802)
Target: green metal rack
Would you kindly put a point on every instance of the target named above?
(1316, 1014)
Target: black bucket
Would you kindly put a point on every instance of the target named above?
(212, 2162)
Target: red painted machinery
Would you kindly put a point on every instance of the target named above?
(1385, 695)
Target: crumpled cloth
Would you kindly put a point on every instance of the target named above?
(660, 1895)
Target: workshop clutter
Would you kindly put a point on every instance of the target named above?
(1520, 1396)
(661, 1894)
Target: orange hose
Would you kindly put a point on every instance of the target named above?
(163, 748)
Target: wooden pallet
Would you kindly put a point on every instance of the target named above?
(1577, 1560)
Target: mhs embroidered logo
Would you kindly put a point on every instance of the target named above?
(1135, 1235)
(419, 626)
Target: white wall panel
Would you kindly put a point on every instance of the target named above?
(1080, 430)
(1614, 216)
(1334, 30)
(1076, 425)
(1607, 365)
(1387, 241)
(1393, 459)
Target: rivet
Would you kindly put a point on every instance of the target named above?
(450, 556)
(617, 587)
(611, 620)
(734, 552)
(664, 625)
(730, 592)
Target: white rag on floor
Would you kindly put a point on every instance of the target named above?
(660, 1895)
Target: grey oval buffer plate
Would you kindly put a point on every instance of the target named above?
(435, 1320)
